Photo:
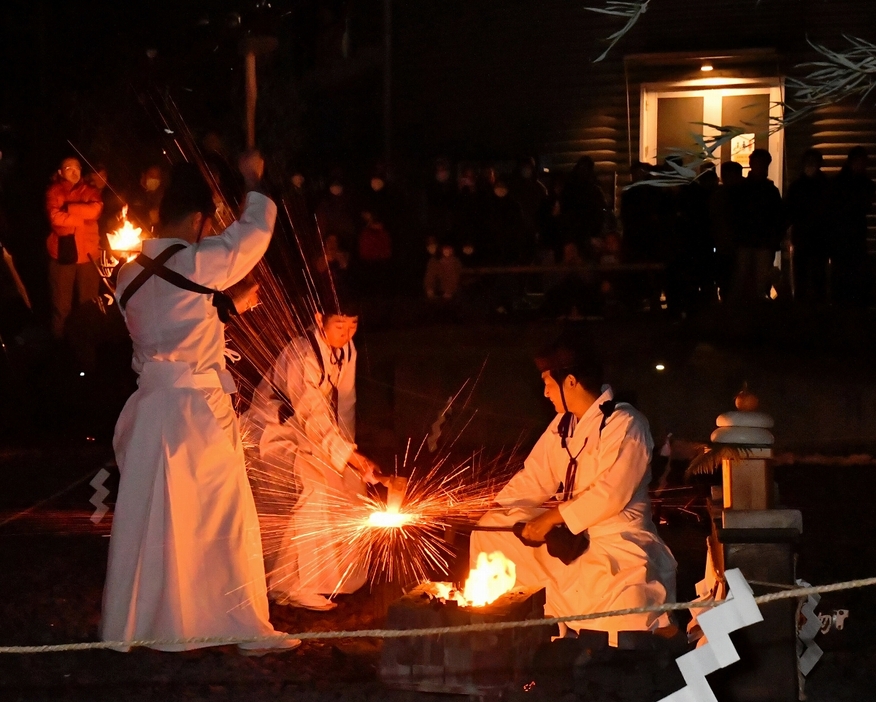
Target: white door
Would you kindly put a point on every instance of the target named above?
(673, 112)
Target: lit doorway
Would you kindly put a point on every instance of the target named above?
(673, 112)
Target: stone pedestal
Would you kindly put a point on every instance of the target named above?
(767, 670)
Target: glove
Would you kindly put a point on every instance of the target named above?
(561, 542)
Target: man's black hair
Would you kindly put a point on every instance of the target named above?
(760, 154)
(341, 301)
(187, 193)
(572, 354)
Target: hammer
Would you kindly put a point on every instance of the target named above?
(561, 542)
(253, 45)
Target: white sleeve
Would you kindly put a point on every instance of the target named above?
(313, 413)
(223, 260)
(347, 397)
(536, 481)
(623, 462)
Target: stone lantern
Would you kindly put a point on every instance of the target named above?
(749, 533)
(748, 479)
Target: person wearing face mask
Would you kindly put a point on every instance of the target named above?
(807, 212)
(73, 208)
(589, 472)
(312, 477)
(185, 556)
(443, 271)
(144, 203)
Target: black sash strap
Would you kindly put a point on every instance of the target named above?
(607, 408)
(287, 411)
(222, 302)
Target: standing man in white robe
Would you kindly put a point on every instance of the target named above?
(185, 555)
(303, 423)
(601, 478)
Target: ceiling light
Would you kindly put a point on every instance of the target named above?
(706, 67)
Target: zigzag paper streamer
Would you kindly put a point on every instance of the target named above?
(100, 493)
(736, 612)
(808, 651)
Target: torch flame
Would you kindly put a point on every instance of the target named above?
(127, 238)
(492, 577)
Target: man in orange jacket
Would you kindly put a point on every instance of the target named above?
(73, 208)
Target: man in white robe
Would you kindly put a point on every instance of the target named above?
(303, 424)
(185, 556)
(605, 492)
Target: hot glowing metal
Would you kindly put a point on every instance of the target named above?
(389, 519)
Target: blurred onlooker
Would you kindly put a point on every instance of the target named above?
(225, 177)
(807, 212)
(852, 194)
(144, 201)
(759, 230)
(443, 272)
(691, 276)
(503, 228)
(583, 205)
(440, 195)
(73, 208)
(336, 216)
(374, 256)
(724, 220)
(530, 194)
(643, 213)
(111, 215)
(330, 266)
(468, 217)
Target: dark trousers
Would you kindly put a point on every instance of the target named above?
(65, 280)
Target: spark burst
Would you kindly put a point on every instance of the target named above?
(407, 546)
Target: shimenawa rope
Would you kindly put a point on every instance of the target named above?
(433, 631)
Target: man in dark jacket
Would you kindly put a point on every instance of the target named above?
(806, 210)
(759, 229)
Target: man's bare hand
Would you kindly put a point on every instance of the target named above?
(536, 530)
(245, 295)
(252, 168)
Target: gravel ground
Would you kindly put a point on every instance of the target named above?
(53, 561)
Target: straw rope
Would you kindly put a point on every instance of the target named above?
(436, 631)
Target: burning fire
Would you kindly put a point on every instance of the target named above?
(127, 239)
(492, 577)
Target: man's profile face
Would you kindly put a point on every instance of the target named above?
(338, 329)
(70, 170)
(552, 391)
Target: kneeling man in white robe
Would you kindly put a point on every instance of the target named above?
(594, 457)
(303, 423)
(185, 557)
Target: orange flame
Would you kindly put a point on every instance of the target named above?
(492, 577)
(127, 239)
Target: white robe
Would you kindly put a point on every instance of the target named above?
(303, 464)
(185, 557)
(627, 564)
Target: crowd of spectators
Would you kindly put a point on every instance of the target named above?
(509, 235)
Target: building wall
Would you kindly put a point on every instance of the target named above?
(500, 79)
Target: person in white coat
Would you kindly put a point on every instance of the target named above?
(302, 422)
(593, 460)
(185, 556)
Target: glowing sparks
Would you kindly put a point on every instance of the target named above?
(492, 577)
(389, 519)
(127, 240)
